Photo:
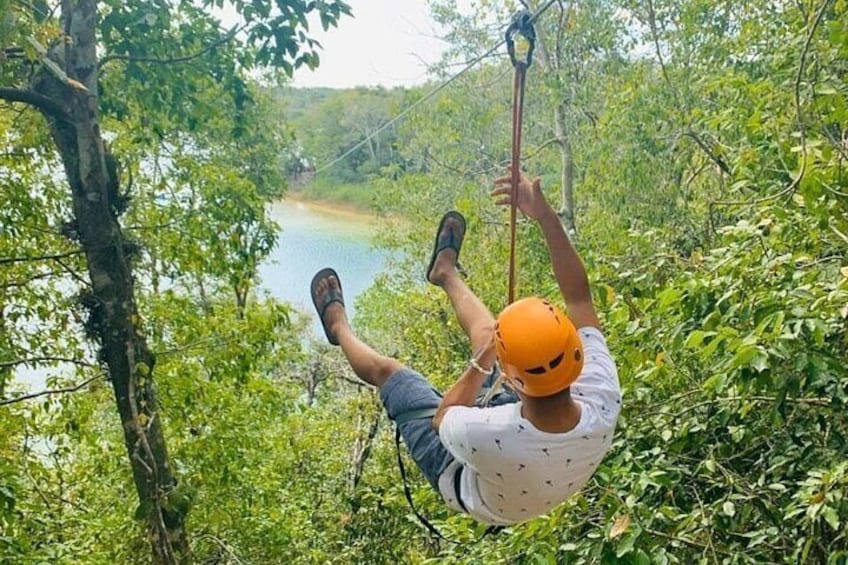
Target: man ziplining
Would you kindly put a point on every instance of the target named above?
(531, 446)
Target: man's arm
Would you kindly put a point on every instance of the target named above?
(465, 389)
(569, 272)
(568, 268)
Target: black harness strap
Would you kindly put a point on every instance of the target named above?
(457, 487)
(408, 493)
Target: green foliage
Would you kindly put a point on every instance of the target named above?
(330, 123)
(362, 195)
(727, 320)
(709, 150)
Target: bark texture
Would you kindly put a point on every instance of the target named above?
(114, 319)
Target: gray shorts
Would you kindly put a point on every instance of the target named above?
(408, 390)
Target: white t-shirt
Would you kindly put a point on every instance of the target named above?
(514, 472)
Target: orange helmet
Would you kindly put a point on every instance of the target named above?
(538, 347)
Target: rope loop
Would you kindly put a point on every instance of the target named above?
(521, 25)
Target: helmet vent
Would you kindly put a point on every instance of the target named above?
(577, 355)
(557, 360)
(537, 371)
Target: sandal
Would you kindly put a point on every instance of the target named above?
(450, 240)
(332, 295)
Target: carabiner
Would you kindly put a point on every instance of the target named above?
(521, 24)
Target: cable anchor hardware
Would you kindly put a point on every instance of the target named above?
(521, 26)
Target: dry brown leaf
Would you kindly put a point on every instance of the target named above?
(620, 526)
(77, 84)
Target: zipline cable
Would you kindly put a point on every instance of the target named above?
(429, 95)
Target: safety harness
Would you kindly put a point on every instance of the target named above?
(420, 414)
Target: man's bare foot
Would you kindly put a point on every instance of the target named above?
(444, 266)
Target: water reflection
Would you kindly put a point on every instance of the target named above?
(314, 237)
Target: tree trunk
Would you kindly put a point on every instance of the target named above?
(361, 451)
(551, 67)
(113, 314)
(566, 157)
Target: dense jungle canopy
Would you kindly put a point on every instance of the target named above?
(696, 150)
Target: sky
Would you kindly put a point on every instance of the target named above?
(387, 42)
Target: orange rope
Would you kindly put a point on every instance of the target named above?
(517, 114)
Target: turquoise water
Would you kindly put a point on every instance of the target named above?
(311, 238)
(315, 237)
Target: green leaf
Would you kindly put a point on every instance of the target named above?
(831, 517)
(744, 356)
(639, 557)
(696, 338)
(760, 362)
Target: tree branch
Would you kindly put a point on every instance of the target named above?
(9, 260)
(360, 384)
(793, 185)
(26, 282)
(75, 388)
(713, 157)
(173, 60)
(541, 147)
(12, 53)
(72, 272)
(229, 551)
(43, 103)
(35, 9)
(652, 21)
(820, 402)
(48, 359)
(361, 451)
